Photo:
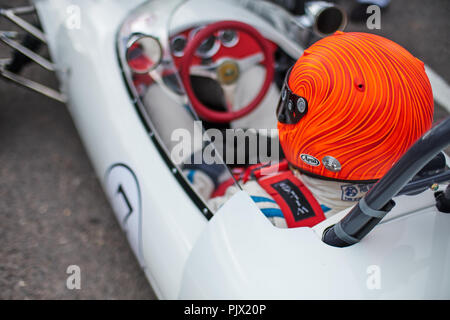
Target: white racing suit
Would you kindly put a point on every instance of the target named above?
(287, 203)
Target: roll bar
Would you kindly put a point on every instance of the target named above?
(371, 209)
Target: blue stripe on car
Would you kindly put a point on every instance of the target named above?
(325, 208)
(190, 176)
(272, 212)
(262, 199)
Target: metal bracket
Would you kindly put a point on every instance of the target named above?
(12, 15)
(30, 84)
(8, 38)
(5, 38)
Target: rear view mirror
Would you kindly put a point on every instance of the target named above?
(143, 54)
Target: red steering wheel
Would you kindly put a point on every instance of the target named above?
(226, 71)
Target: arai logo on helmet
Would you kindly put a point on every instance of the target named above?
(310, 160)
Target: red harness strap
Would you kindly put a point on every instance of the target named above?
(299, 207)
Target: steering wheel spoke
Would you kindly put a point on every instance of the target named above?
(250, 61)
(208, 71)
(229, 91)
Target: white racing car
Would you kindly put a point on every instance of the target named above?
(134, 72)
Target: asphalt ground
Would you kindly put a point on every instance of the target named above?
(53, 212)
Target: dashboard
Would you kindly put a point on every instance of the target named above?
(224, 43)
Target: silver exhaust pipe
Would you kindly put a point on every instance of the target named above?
(324, 18)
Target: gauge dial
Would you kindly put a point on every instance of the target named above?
(208, 47)
(178, 44)
(229, 38)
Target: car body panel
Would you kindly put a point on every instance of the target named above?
(238, 253)
(242, 255)
(111, 130)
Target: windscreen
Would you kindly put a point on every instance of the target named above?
(154, 79)
(231, 70)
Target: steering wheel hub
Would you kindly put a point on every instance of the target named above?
(228, 72)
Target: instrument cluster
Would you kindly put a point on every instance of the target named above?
(224, 43)
(209, 47)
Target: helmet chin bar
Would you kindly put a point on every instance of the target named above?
(378, 201)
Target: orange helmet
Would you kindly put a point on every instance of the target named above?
(352, 105)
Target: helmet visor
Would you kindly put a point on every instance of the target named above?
(291, 107)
